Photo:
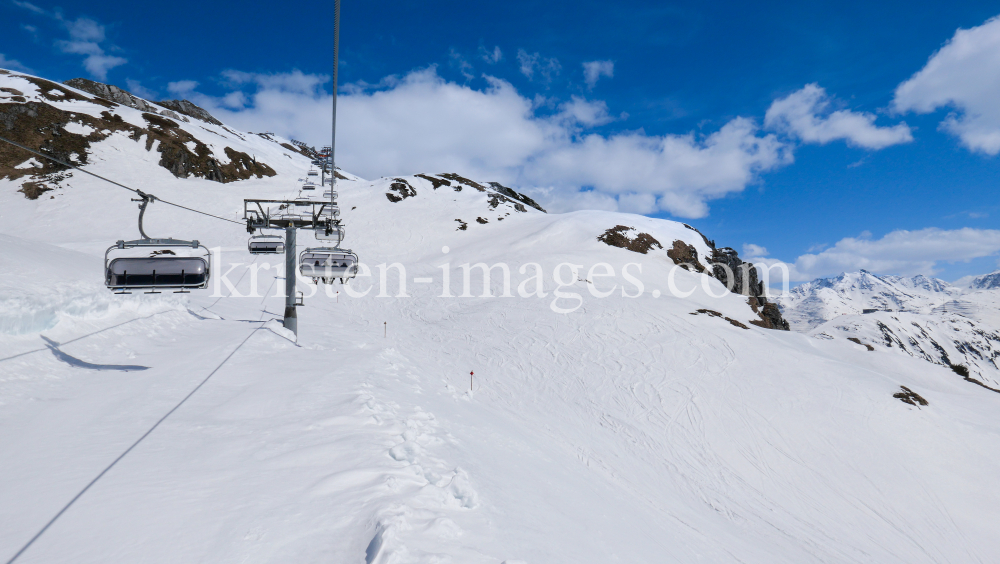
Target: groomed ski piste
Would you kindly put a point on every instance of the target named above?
(627, 430)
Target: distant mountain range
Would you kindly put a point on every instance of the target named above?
(814, 303)
(928, 318)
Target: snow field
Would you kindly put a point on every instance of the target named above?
(628, 430)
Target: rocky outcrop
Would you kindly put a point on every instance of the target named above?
(189, 109)
(503, 193)
(117, 95)
(628, 238)
(112, 94)
(724, 265)
(43, 127)
(400, 190)
(740, 277)
(686, 256)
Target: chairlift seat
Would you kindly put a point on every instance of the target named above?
(161, 272)
(328, 264)
(266, 245)
(336, 234)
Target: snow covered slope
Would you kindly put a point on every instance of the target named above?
(960, 332)
(813, 303)
(73, 125)
(642, 426)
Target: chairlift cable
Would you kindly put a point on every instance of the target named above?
(120, 185)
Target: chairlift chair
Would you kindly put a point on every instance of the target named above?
(308, 185)
(328, 264)
(334, 234)
(266, 245)
(156, 264)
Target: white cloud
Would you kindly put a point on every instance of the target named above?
(594, 70)
(423, 123)
(182, 87)
(492, 57)
(11, 64)
(136, 88)
(805, 114)
(751, 250)
(534, 63)
(964, 75)
(86, 36)
(584, 112)
(459, 62)
(29, 6)
(900, 252)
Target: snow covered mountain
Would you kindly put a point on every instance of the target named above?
(624, 405)
(919, 316)
(986, 281)
(813, 303)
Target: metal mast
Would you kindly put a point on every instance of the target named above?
(333, 130)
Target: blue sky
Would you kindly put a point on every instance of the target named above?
(673, 122)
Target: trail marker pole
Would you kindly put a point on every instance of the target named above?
(470, 380)
(385, 325)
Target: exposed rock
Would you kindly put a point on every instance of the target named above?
(402, 190)
(462, 226)
(685, 255)
(907, 395)
(858, 341)
(435, 182)
(713, 313)
(770, 315)
(462, 180)
(32, 190)
(482, 220)
(738, 276)
(189, 109)
(111, 93)
(619, 236)
(513, 195)
(41, 126)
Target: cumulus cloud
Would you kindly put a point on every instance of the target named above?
(806, 114)
(533, 64)
(11, 64)
(292, 104)
(594, 70)
(85, 38)
(963, 75)
(182, 87)
(900, 252)
(423, 123)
